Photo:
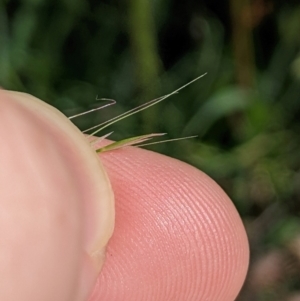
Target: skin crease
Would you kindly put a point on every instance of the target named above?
(177, 235)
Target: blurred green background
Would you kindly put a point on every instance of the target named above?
(245, 111)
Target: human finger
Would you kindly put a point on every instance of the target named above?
(177, 234)
(56, 204)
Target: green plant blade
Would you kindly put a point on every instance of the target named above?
(127, 142)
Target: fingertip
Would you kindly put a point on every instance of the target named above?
(57, 210)
(177, 236)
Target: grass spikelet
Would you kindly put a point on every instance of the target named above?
(133, 141)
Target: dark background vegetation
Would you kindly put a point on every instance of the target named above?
(245, 111)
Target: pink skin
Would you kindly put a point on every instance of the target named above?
(177, 235)
(56, 204)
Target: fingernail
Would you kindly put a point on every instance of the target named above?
(98, 206)
(99, 212)
(87, 178)
(88, 277)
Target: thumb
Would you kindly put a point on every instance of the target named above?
(56, 204)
